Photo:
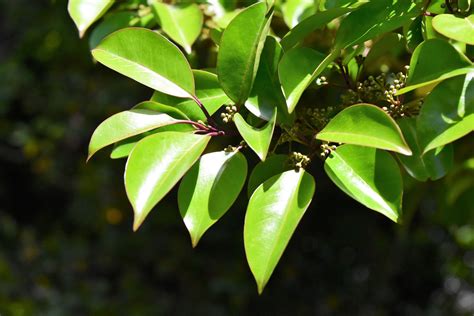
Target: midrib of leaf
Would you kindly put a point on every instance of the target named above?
(144, 69)
(402, 150)
(380, 201)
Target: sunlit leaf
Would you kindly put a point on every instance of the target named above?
(309, 25)
(86, 12)
(296, 72)
(264, 170)
(447, 113)
(273, 213)
(365, 125)
(296, 10)
(155, 165)
(239, 51)
(181, 22)
(459, 29)
(209, 189)
(368, 175)
(435, 60)
(374, 18)
(258, 139)
(266, 92)
(127, 124)
(133, 53)
(208, 91)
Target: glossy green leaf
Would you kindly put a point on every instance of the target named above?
(258, 139)
(123, 148)
(159, 107)
(295, 11)
(133, 53)
(369, 176)
(266, 92)
(273, 213)
(432, 165)
(111, 24)
(447, 113)
(209, 189)
(126, 124)
(239, 52)
(365, 125)
(181, 22)
(435, 60)
(459, 29)
(155, 165)
(373, 19)
(264, 170)
(208, 91)
(86, 12)
(309, 25)
(296, 72)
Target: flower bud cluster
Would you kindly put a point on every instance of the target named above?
(298, 160)
(380, 90)
(327, 148)
(321, 81)
(231, 149)
(319, 117)
(228, 115)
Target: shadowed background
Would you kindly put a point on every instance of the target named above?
(66, 243)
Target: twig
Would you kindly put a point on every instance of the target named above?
(206, 113)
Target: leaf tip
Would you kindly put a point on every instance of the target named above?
(405, 151)
(137, 222)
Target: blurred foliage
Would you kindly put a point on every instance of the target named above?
(66, 246)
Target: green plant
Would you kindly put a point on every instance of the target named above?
(295, 82)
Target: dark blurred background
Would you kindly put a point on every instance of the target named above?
(66, 244)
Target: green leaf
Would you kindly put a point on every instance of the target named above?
(264, 170)
(413, 33)
(369, 176)
(158, 107)
(155, 165)
(123, 148)
(447, 113)
(296, 10)
(273, 213)
(111, 24)
(181, 22)
(209, 189)
(296, 72)
(309, 25)
(133, 53)
(459, 29)
(208, 91)
(365, 125)
(435, 60)
(266, 92)
(86, 12)
(257, 139)
(372, 19)
(126, 124)
(239, 52)
(432, 165)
